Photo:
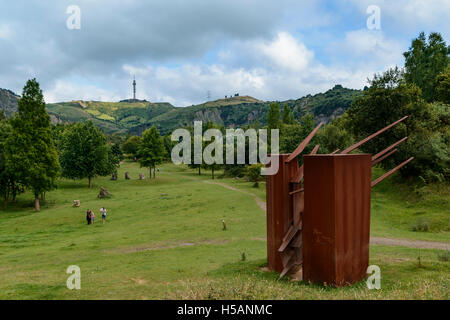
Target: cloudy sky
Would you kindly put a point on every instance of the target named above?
(179, 50)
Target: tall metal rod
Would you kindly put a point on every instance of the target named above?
(379, 154)
(387, 174)
(303, 145)
(356, 145)
(298, 178)
(375, 162)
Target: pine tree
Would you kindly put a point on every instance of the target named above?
(273, 116)
(30, 152)
(151, 150)
(287, 116)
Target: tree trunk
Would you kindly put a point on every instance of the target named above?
(36, 203)
(14, 192)
(89, 179)
(43, 196)
(199, 170)
(5, 203)
(154, 172)
(150, 172)
(212, 172)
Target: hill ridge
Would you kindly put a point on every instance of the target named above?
(134, 117)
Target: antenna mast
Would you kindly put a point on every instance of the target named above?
(134, 88)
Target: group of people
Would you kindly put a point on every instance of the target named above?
(90, 216)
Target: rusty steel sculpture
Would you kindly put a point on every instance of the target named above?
(318, 214)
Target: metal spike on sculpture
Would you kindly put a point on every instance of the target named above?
(318, 214)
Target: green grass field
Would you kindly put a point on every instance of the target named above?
(163, 239)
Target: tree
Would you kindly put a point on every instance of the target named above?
(333, 137)
(273, 116)
(117, 152)
(131, 146)
(151, 151)
(85, 153)
(287, 116)
(30, 152)
(5, 175)
(388, 99)
(443, 86)
(424, 61)
(254, 173)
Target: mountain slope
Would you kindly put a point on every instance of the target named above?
(135, 116)
(8, 101)
(240, 111)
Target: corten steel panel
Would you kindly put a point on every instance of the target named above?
(336, 220)
(279, 209)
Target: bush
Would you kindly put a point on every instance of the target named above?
(254, 173)
(420, 225)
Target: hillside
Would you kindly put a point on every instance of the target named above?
(135, 117)
(110, 116)
(8, 101)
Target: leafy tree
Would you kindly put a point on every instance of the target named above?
(443, 86)
(168, 145)
(333, 137)
(287, 116)
(6, 176)
(388, 99)
(424, 61)
(30, 151)
(85, 153)
(131, 146)
(151, 151)
(273, 116)
(292, 135)
(117, 152)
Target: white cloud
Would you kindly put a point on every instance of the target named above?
(370, 48)
(67, 90)
(410, 14)
(283, 68)
(286, 52)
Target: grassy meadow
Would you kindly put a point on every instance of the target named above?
(163, 239)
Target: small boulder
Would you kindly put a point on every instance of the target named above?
(141, 176)
(76, 203)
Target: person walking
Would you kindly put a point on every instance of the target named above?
(103, 212)
(88, 216)
(92, 217)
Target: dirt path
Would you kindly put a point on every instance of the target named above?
(373, 240)
(410, 243)
(261, 203)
